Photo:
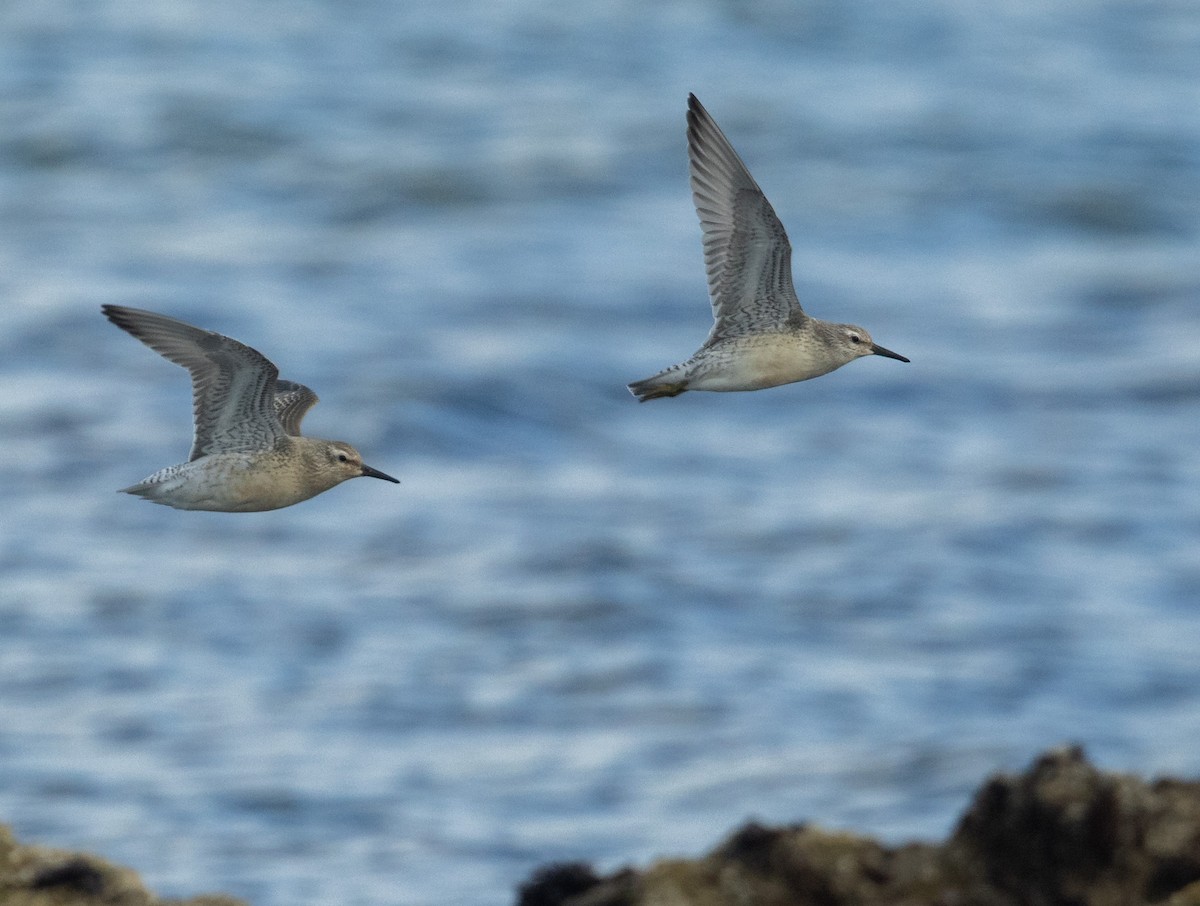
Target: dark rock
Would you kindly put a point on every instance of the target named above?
(556, 883)
(1060, 834)
(1064, 833)
(40, 876)
(76, 873)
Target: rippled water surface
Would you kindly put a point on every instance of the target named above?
(584, 628)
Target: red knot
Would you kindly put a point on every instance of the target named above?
(247, 453)
(761, 337)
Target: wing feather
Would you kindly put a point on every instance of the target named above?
(747, 255)
(233, 386)
(292, 402)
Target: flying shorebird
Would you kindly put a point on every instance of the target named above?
(761, 336)
(247, 452)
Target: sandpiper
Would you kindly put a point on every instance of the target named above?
(761, 336)
(247, 452)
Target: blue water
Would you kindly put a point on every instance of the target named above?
(584, 628)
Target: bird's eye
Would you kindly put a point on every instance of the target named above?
(342, 457)
(855, 338)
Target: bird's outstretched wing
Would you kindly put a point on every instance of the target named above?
(233, 386)
(746, 250)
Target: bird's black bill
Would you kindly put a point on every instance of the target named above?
(375, 473)
(879, 350)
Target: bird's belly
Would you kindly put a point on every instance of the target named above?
(755, 364)
(228, 483)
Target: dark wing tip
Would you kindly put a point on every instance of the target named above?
(140, 322)
(120, 315)
(696, 114)
(699, 126)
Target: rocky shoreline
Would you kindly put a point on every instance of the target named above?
(43, 876)
(1062, 833)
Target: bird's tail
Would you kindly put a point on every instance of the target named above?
(147, 491)
(666, 383)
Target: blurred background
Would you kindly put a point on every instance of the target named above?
(584, 628)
